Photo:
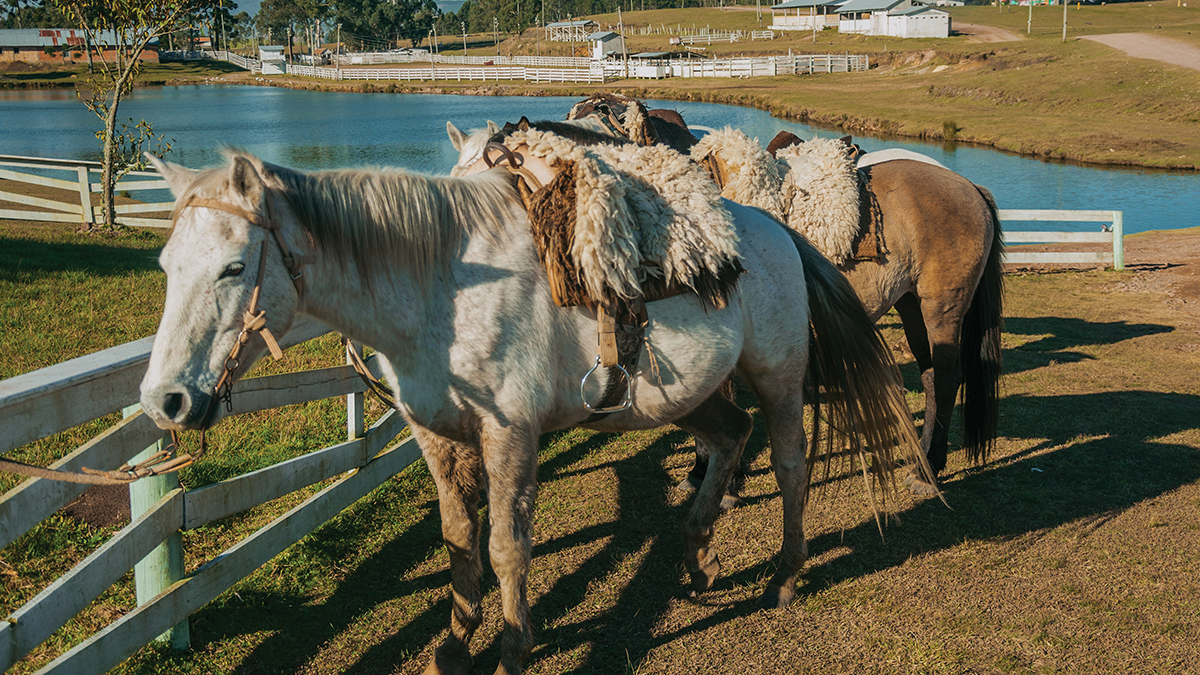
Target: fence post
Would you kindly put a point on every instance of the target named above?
(85, 195)
(355, 424)
(1118, 232)
(164, 565)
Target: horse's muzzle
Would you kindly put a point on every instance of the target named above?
(178, 407)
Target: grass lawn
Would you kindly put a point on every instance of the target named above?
(1072, 550)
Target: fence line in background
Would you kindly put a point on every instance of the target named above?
(80, 208)
(1114, 234)
(57, 398)
(450, 73)
(551, 68)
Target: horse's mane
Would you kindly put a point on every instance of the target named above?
(384, 218)
(570, 130)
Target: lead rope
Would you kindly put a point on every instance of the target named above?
(254, 320)
(374, 384)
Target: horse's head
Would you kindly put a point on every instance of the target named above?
(469, 145)
(228, 258)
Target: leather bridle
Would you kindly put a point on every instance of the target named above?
(254, 321)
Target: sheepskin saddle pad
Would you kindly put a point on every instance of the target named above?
(623, 115)
(813, 187)
(628, 222)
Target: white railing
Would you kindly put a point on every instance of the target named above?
(769, 66)
(54, 399)
(710, 38)
(1114, 234)
(243, 62)
(375, 58)
(79, 207)
(496, 73)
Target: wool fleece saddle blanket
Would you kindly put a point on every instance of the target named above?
(627, 222)
(813, 187)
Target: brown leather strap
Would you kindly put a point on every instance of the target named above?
(377, 386)
(626, 331)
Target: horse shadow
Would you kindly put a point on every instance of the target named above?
(1092, 462)
(1086, 470)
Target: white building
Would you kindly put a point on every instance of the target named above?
(606, 43)
(272, 59)
(895, 18)
(805, 15)
(919, 22)
(570, 31)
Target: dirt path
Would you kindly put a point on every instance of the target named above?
(980, 33)
(1142, 46)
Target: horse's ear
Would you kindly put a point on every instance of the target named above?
(244, 178)
(179, 178)
(523, 125)
(457, 138)
(493, 128)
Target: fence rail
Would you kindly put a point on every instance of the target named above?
(80, 206)
(496, 73)
(374, 58)
(1113, 235)
(57, 398)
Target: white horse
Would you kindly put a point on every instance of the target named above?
(441, 277)
(470, 144)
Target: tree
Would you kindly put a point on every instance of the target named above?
(396, 19)
(119, 31)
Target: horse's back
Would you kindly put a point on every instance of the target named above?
(938, 218)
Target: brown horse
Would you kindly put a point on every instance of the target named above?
(629, 117)
(939, 263)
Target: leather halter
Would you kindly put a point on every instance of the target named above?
(254, 321)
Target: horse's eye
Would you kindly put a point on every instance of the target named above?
(232, 270)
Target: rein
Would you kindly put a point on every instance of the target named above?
(514, 162)
(254, 320)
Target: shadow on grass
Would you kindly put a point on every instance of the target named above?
(21, 259)
(1109, 460)
(1060, 337)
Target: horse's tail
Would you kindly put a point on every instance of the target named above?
(863, 393)
(981, 356)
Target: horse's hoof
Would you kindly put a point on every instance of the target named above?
(918, 485)
(706, 574)
(687, 485)
(776, 597)
(450, 660)
(729, 502)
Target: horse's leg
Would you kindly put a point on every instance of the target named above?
(456, 469)
(933, 329)
(510, 459)
(722, 428)
(782, 404)
(695, 477)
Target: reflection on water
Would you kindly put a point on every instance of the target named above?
(318, 130)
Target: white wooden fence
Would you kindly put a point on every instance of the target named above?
(243, 62)
(1114, 235)
(47, 401)
(768, 66)
(76, 178)
(375, 58)
(497, 73)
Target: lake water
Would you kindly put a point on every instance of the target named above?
(318, 130)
